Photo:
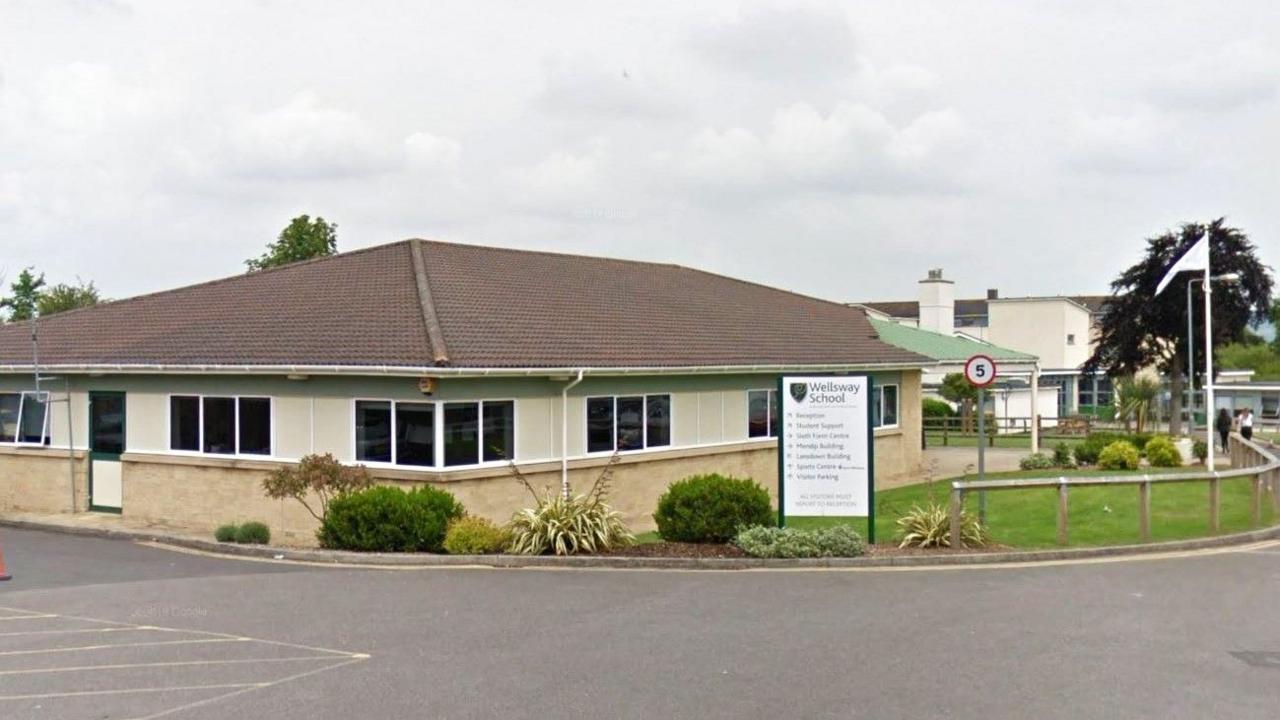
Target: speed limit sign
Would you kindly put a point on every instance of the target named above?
(980, 370)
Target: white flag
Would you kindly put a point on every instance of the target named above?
(1197, 258)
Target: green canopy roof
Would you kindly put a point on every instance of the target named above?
(943, 348)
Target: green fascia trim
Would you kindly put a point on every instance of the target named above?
(942, 347)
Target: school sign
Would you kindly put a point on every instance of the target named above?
(825, 460)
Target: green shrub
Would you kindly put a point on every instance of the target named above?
(1036, 461)
(1200, 450)
(583, 523)
(253, 533)
(1119, 455)
(930, 526)
(1161, 452)
(226, 533)
(711, 508)
(388, 519)
(475, 536)
(1062, 456)
(1088, 451)
(766, 541)
(935, 408)
(316, 479)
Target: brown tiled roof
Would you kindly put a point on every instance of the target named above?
(911, 308)
(484, 308)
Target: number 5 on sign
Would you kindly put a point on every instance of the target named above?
(980, 370)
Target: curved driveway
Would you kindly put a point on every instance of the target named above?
(99, 628)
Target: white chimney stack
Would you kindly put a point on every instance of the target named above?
(937, 304)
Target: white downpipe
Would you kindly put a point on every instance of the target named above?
(1035, 408)
(564, 434)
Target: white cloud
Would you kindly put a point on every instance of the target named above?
(430, 152)
(1219, 78)
(306, 139)
(782, 42)
(1140, 142)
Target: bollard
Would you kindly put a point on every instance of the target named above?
(1062, 511)
(1144, 509)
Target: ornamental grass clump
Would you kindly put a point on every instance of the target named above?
(765, 541)
(930, 526)
(568, 525)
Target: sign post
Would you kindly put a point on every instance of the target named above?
(980, 371)
(826, 465)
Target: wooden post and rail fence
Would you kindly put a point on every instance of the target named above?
(1253, 459)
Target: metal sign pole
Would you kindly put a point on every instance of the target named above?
(982, 455)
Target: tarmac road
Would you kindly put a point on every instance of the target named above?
(93, 628)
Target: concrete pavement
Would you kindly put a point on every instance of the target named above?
(1193, 637)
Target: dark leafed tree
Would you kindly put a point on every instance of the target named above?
(302, 239)
(25, 293)
(958, 390)
(1141, 329)
(63, 297)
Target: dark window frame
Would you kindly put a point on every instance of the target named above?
(645, 444)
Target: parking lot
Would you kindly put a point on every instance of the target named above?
(93, 628)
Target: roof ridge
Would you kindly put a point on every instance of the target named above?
(435, 334)
(215, 281)
(550, 253)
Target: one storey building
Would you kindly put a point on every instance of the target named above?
(429, 363)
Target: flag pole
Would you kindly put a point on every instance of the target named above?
(1209, 409)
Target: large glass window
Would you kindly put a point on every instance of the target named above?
(415, 434)
(884, 406)
(106, 422)
(373, 431)
(628, 423)
(33, 418)
(10, 412)
(461, 433)
(184, 423)
(255, 425)
(600, 424)
(219, 416)
(499, 430)
(220, 425)
(762, 413)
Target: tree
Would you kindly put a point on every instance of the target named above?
(1141, 329)
(958, 390)
(302, 239)
(26, 294)
(1134, 398)
(318, 479)
(63, 297)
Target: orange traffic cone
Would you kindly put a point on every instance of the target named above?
(4, 574)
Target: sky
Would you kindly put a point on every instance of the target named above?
(834, 149)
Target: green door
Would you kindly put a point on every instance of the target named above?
(106, 444)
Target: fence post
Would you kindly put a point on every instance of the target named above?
(1144, 509)
(1215, 496)
(1255, 501)
(1062, 511)
(946, 426)
(957, 507)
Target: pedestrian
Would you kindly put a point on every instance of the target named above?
(1246, 424)
(1223, 426)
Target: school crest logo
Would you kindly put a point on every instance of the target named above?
(799, 391)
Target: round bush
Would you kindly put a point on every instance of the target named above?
(388, 519)
(711, 508)
(1161, 452)
(226, 533)
(1062, 456)
(1200, 450)
(254, 533)
(934, 408)
(1119, 455)
(1036, 461)
(475, 536)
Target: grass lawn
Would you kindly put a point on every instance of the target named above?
(1097, 515)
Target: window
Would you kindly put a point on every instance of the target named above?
(24, 418)
(220, 425)
(884, 406)
(632, 422)
(407, 433)
(1071, 338)
(762, 413)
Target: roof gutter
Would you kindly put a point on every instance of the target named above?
(431, 370)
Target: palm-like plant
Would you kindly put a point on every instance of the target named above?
(1135, 396)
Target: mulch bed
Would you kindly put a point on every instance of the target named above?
(714, 550)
